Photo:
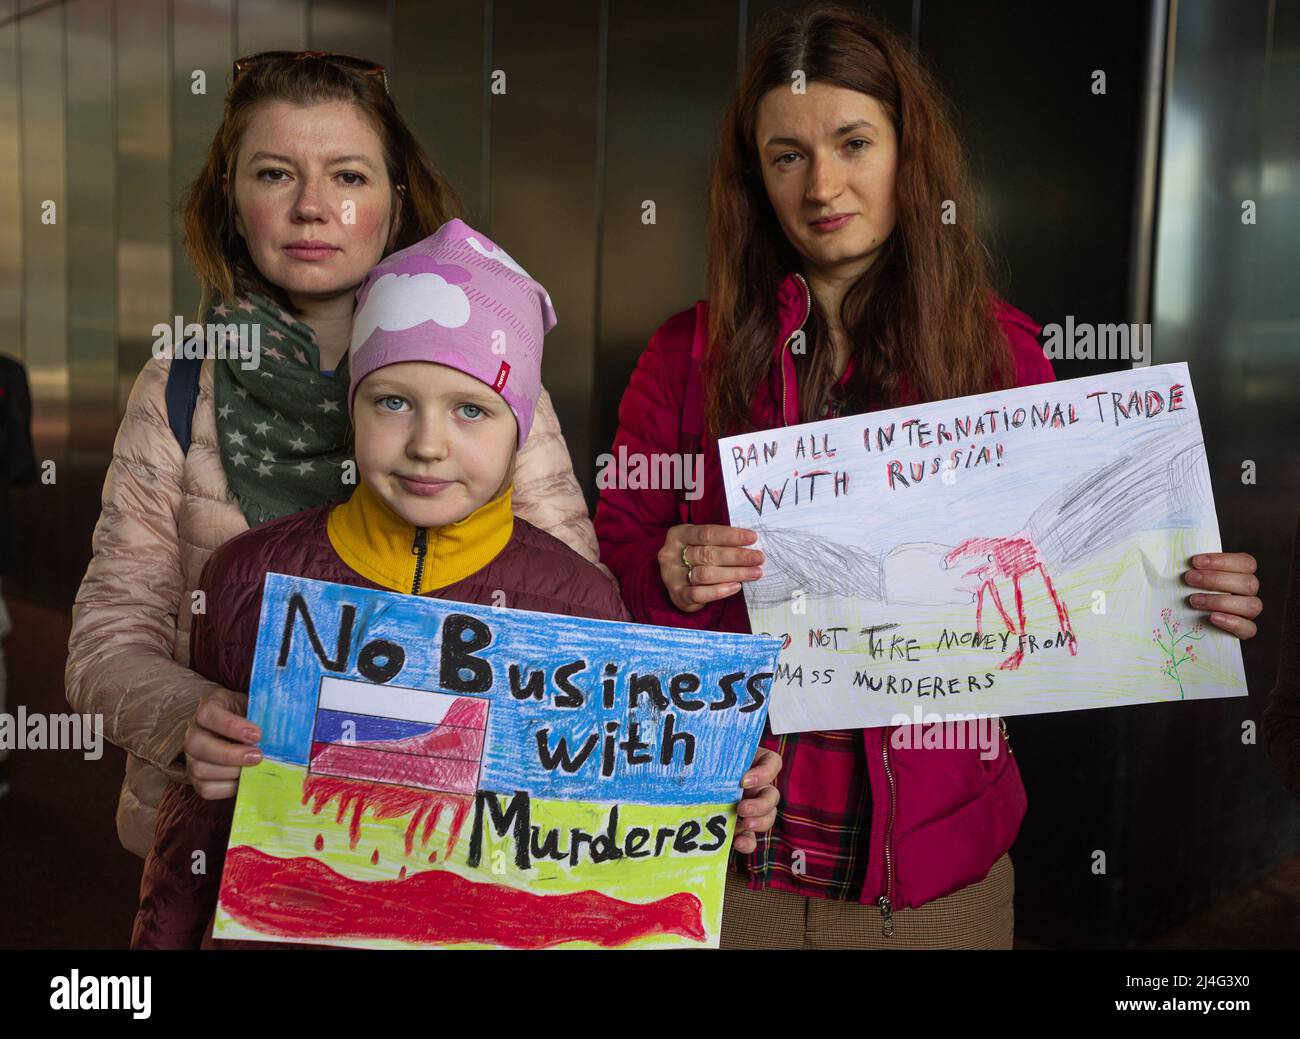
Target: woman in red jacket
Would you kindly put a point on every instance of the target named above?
(845, 276)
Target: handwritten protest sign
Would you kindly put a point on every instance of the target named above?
(1007, 553)
(444, 774)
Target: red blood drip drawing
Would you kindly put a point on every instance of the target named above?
(305, 899)
(356, 797)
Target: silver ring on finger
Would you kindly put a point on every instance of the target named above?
(690, 574)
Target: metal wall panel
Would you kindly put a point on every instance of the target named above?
(91, 278)
(542, 204)
(670, 71)
(899, 15)
(353, 28)
(44, 220)
(1054, 163)
(144, 213)
(1227, 301)
(203, 40)
(264, 25)
(439, 79)
(11, 228)
(41, 509)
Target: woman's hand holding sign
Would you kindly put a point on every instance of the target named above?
(1233, 575)
(702, 563)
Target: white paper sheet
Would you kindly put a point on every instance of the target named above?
(1008, 553)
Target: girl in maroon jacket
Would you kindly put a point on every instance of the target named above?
(445, 372)
(844, 276)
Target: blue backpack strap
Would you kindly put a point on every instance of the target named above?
(182, 396)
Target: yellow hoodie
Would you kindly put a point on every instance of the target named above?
(381, 546)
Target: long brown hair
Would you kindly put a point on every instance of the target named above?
(920, 321)
(218, 252)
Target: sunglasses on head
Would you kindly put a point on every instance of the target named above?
(369, 68)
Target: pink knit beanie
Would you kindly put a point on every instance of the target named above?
(457, 299)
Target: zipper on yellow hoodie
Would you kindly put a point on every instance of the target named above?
(382, 547)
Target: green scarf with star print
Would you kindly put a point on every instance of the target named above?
(282, 427)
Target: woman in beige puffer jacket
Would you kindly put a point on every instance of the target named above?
(165, 511)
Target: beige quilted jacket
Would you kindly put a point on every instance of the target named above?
(164, 513)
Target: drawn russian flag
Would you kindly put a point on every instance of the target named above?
(433, 741)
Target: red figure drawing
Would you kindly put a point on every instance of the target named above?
(1013, 558)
